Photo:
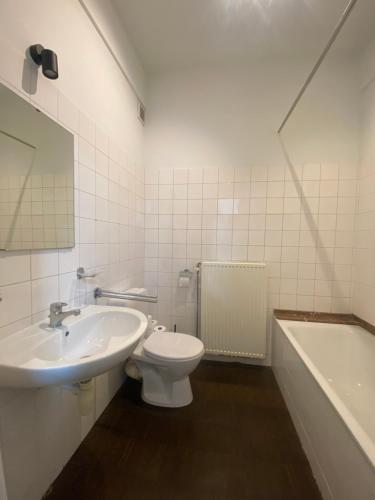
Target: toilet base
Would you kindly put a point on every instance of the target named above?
(163, 387)
(170, 394)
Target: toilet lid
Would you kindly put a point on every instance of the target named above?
(173, 346)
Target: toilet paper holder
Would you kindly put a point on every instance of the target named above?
(186, 273)
(184, 278)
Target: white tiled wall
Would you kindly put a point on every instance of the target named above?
(40, 429)
(109, 236)
(300, 223)
(109, 230)
(364, 252)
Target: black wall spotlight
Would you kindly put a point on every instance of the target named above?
(47, 59)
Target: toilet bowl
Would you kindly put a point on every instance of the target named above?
(166, 361)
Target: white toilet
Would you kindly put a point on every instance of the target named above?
(166, 361)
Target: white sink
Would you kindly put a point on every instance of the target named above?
(83, 347)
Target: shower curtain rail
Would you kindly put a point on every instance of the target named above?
(320, 60)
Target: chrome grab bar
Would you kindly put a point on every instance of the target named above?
(99, 292)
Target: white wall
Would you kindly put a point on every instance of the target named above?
(218, 185)
(221, 116)
(364, 264)
(40, 429)
(108, 21)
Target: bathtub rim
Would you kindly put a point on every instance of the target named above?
(364, 442)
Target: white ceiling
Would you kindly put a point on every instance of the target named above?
(176, 33)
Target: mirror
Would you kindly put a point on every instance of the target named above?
(36, 178)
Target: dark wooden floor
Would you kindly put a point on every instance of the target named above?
(235, 441)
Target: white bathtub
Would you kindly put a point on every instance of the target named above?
(326, 373)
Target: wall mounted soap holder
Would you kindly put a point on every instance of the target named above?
(81, 273)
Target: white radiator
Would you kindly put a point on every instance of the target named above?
(232, 316)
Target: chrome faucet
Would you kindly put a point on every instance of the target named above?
(56, 314)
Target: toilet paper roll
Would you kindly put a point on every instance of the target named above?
(183, 282)
(160, 328)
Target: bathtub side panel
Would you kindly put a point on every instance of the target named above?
(339, 466)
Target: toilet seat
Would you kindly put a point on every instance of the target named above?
(170, 346)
